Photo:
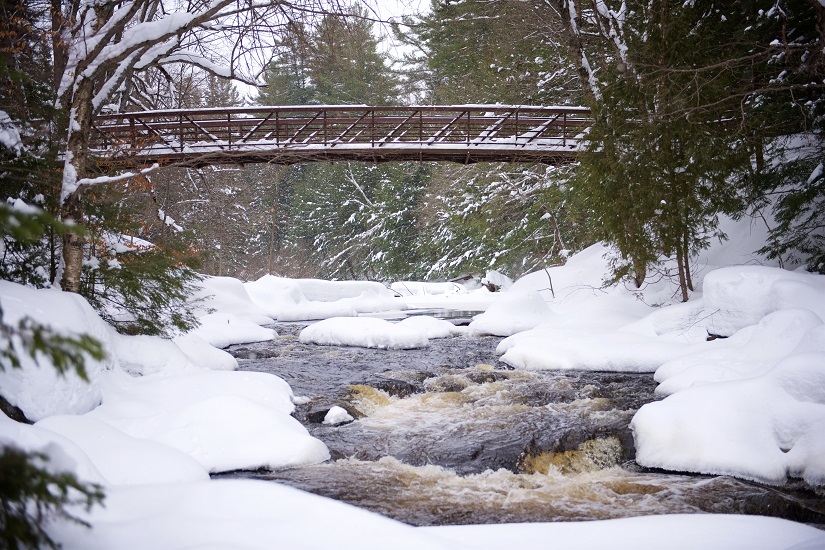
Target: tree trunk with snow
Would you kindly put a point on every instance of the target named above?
(77, 153)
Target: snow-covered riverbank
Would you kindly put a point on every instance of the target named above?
(158, 416)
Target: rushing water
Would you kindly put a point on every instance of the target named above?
(448, 435)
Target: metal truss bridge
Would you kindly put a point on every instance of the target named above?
(297, 134)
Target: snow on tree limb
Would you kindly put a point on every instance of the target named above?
(120, 177)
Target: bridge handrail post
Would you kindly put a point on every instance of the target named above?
(518, 128)
(469, 114)
(229, 129)
(180, 131)
(564, 123)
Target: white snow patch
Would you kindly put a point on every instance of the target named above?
(337, 415)
(512, 312)
(366, 332)
(310, 299)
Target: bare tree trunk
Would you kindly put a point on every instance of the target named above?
(73, 242)
(77, 150)
(270, 265)
(686, 258)
(680, 259)
(639, 272)
(273, 220)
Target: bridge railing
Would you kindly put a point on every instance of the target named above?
(465, 133)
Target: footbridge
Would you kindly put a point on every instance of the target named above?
(296, 134)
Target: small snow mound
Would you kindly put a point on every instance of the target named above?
(225, 329)
(431, 327)
(337, 415)
(365, 332)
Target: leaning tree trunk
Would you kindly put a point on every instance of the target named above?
(74, 168)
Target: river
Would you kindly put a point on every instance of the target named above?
(448, 435)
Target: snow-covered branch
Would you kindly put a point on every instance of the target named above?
(120, 177)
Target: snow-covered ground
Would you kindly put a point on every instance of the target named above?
(157, 416)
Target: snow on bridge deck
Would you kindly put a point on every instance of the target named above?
(295, 134)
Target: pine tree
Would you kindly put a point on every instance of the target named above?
(287, 76)
(684, 97)
(345, 65)
(491, 52)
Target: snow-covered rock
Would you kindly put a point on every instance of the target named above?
(366, 332)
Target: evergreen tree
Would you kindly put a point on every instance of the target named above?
(345, 65)
(510, 218)
(481, 51)
(684, 97)
(287, 76)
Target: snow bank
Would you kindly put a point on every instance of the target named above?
(122, 459)
(420, 288)
(225, 329)
(310, 299)
(223, 420)
(239, 514)
(63, 454)
(675, 532)
(229, 296)
(163, 418)
(741, 296)
(202, 353)
(733, 406)
(513, 312)
(36, 388)
(553, 348)
(752, 405)
(766, 428)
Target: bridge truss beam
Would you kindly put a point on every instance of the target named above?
(297, 134)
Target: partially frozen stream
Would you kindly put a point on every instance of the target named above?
(447, 435)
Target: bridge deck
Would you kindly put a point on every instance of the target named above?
(294, 134)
